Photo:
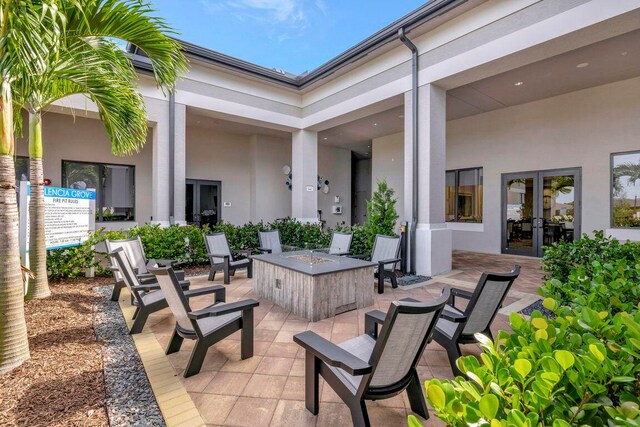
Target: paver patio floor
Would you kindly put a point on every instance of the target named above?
(268, 389)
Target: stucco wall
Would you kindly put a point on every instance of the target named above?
(579, 129)
(334, 164)
(66, 137)
(387, 162)
(271, 199)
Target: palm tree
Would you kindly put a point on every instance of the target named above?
(86, 60)
(630, 170)
(24, 35)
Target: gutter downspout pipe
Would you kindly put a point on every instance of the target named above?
(414, 144)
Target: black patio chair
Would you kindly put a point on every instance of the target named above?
(147, 297)
(366, 368)
(457, 326)
(271, 243)
(386, 253)
(222, 258)
(340, 244)
(206, 326)
(135, 252)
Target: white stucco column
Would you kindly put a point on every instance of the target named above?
(304, 169)
(158, 115)
(179, 163)
(433, 239)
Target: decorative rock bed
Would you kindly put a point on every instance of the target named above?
(129, 398)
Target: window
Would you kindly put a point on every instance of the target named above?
(463, 201)
(114, 184)
(625, 191)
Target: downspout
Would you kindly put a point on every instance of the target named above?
(414, 146)
(172, 143)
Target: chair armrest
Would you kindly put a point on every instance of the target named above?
(376, 316)
(161, 262)
(461, 293)
(218, 290)
(360, 256)
(219, 310)
(147, 286)
(389, 261)
(224, 257)
(288, 248)
(265, 250)
(452, 316)
(331, 354)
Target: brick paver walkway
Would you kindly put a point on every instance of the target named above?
(268, 389)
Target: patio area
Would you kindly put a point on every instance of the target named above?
(268, 389)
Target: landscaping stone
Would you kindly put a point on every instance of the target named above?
(129, 398)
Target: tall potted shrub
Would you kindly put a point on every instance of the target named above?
(381, 212)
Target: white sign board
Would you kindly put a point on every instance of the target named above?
(69, 215)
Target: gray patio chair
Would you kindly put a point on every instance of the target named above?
(206, 326)
(386, 253)
(148, 298)
(271, 243)
(458, 326)
(135, 252)
(366, 368)
(222, 258)
(340, 243)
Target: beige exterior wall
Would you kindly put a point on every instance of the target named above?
(387, 162)
(579, 129)
(334, 164)
(270, 197)
(66, 137)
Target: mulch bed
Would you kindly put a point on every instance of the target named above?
(63, 383)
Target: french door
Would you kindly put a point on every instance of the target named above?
(202, 202)
(538, 209)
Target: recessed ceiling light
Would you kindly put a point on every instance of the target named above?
(518, 83)
(624, 53)
(582, 65)
(325, 138)
(368, 146)
(401, 116)
(375, 124)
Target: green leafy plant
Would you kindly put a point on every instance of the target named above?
(381, 212)
(360, 243)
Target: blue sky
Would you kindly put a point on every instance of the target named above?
(292, 35)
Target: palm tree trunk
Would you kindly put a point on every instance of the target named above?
(39, 285)
(14, 346)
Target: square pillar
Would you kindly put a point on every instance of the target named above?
(179, 164)
(304, 170)
(433, 238)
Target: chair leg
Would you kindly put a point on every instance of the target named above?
(394, 281)
(138, 324)
(311, 382)
(381, 283)
(246, 335)
(416, 396)
(117, 287)
(453, 351)
(135, 313)
(212, 275)
(359, 414)
(250, 269)
(174, 343)
(226, 272)
(196, 359)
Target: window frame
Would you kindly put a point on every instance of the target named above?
(456, 184)
(611, 180)
(99, 194)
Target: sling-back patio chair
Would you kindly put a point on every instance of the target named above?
(206, 326)
(366, 368)
(135, 252)
(457, 326)
(222, 258)
(271, 243)
(148, 298)
(340, 243)
(386, 253)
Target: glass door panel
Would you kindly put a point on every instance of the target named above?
(519, 222)
(539, 209)
(190, 200)
(202, 202)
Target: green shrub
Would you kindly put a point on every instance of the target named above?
(381, 212)
(580, 368)
(360, 243)
(73, 262)
(563, 256)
